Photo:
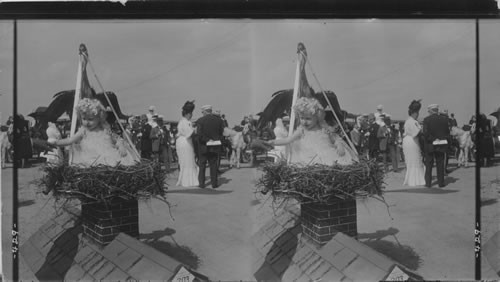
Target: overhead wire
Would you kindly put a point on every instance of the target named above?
(224, 43)
(411, 61)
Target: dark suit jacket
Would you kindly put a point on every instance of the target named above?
(209, 127)
(435, 127)
(373, 142)
(146, 144)
(165, 136)
(156, 138)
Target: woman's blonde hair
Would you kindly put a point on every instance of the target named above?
(91, 107)
(310, 106)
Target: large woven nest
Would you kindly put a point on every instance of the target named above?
(103, 183)
(321, 183)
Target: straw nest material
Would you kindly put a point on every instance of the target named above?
(102, 183)
(321, 183)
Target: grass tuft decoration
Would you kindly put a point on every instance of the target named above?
(321, 183)
(102, 183)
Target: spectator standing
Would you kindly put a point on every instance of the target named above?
(23, 140)
(55, 155)
(210, 130)
(373, 141)
(173, 133)
(281, 132)
(146, 146)
(383, 137)
(155, 136)
(401, 132)
(415, 169)
(224, 144)
(393, 146)
(356, 138)
(150, 114)
(378, 114)
(485, 139)
(453, 121)
(436, 132)
(448, 146)
(164, 153)
(226, 124)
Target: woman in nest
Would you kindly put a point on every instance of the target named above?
(314, 141)
(94, 143)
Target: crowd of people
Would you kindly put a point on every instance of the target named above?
(419, 144)
(188, 143)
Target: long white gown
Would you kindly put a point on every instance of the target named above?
(281, 133)
(54, 156)
(188, 172)
(415, 169)
(315, 147)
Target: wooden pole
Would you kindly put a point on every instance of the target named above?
(137, 156)
(74, 115)
(294, 100)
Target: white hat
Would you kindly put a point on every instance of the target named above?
(380, 107)
(151, 108)
(433, 107)
(206, 107)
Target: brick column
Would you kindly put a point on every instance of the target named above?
(320, 222)
(102, 223)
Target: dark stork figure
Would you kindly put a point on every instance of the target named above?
(281, 101)
(63, 103)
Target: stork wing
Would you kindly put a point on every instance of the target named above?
(281, 102)
(114, 102)
(61, 103)
(496, 114)
(330, 119)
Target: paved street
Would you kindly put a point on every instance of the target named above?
(490, 220)
(431, 230)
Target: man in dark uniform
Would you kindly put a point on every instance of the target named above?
(449, 146)
(210, 129)
(373, 141)
(436, 132)
(453, 121)
(146, 144)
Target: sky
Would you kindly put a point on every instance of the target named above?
(236, 65)
(489, 38)
(6, 70)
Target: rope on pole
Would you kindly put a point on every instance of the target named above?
(113, 110)
(331, 107)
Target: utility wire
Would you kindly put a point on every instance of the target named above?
(205, 52)
(412, 61)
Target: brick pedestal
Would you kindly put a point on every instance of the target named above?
(102, 223)
(320, 222)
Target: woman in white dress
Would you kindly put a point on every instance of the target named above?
(54, 156)
(188, 170)
(281, 132)
(415, 169)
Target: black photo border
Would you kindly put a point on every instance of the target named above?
(248, 9)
